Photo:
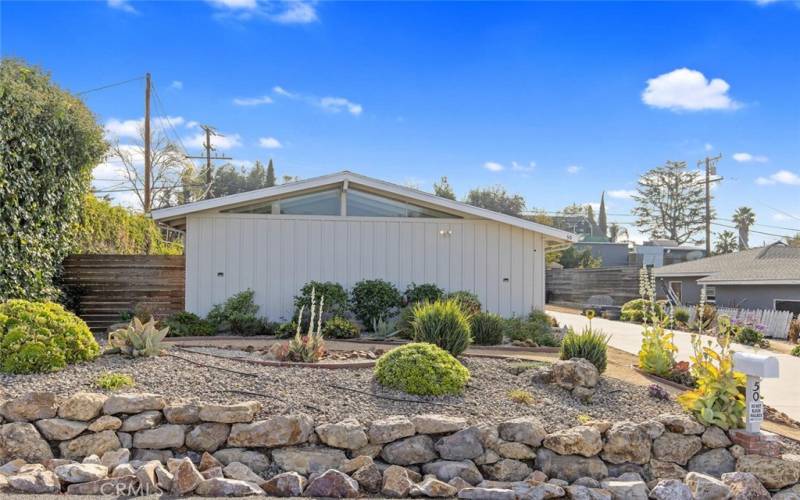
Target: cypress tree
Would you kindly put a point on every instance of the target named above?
(602, 221)
(270, 174)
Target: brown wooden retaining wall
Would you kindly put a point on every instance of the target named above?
(108, 285)
(573, 287)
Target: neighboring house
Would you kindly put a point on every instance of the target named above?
(659, 253)
(577, 224)
(760, 278)
(610, 254)
(346, 227)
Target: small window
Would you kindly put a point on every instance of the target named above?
(321, 203)
(711, 295)
(260, 208)
(361, 204)
(790, 305)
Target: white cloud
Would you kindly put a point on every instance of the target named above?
(493, 166)
(192, 124)
(122, 5)
(296, 13)
(269, 143)
(518, 167)
(780, 177)
(574, 169)
(283, 12)
(224, 141)
(622, 194)
(686, 89)
(252, 101)
(235, 4)
(176, 85)
(765, 2)
(747, 157)
(709, 147)
(131, 129)
(331, 104)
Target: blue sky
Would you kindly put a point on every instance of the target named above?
(556, 101)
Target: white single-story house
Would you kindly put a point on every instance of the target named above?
(346, 227)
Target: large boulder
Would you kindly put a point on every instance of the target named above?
(534, 490)
(346, 434)
(570, 467)
(627, 442)
(141, 421)
(182, 413)
(185, 477)
(37, 482)
(581, 440)
(29, 407)
(627, 490)
(774, 473)
(132, 403)
(103, 487)
(258, 462)
(308, 459)
(396, 482)
(241, 472)
(714, 437)
(82, 406)
(287, 484)
(161, 438)
(89, 444)
(682, 424)
(745, 486)
(438, 424)
(390, 429)
(506, 449)
(507, 470)
(207, 436)
(105, 423)
(22, 440)
(412, 450)
(527, 430)
(221, 487)
(369, 477)
(678, 448)
(81, 473)
(659, 469)
(705, 487)
(715, 462)
(332, 484)
(446, 470)
(281, 430)
(462, 445)
(433, 488)
(671, 489)
(231, 413)
(487, 494)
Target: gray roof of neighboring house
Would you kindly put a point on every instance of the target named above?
(773, 264)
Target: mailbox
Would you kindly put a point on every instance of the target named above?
(756, 367)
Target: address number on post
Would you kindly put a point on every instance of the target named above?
(756, 406)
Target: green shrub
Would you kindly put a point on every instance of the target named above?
(796, 350)
(487, 328)
(589, 344)
(334, 293)
(470, 303)
(535, 332)
(373, 300)
(442, 323)
(423, 369)
(186, 324)
(405, 328)
(657, 354)
(112, 381)
(286, 330)
(749, 335)
(633, 310)
(239, 315)
(340, 328)
(681, 315)
(537, 316)
(50, 143)
(426, 292)
(37, 337)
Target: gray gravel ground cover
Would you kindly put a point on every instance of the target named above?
(319, 392)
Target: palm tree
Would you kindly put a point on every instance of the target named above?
(726, 243)
(744, 217)
(617, 232)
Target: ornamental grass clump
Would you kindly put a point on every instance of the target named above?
(422, 369)
(112, 381)
(39, 337)
(487, 328)
(590, 344)
(719, 397)
(444, 324)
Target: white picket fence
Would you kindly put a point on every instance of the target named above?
(776, 323)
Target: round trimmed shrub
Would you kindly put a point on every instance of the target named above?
(340, 328)
(442, 323)
(487, 328)
(633, 310)
(373, 300)
(334, 293)
(185, 324)
(39, 337)
(422, 369)
(470, 303)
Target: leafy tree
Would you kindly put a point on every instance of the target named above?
(50, 143)
(496, 198)
(744, 217)
(575, 209)
(229, 179)
(270, 174)
(602, 221)
(590, 215)
(670, 203)
(444, 189)
(617, 233)
(574, 258)
(726, 243)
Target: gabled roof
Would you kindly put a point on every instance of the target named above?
(179, 212)
(774, 264)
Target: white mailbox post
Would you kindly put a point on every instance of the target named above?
(756, 367)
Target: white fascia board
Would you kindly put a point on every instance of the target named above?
(711, 281)
(678, 274)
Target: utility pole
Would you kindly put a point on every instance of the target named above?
(147, 166)
(711, 170)
(207, 157)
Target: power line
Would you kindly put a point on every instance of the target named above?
(110, 85)
(165, 116)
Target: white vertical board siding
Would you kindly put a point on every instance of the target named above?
(276, 255)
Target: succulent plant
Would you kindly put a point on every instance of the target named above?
(138, 339)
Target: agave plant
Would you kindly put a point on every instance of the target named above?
(138, 339)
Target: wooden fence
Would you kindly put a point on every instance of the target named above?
(105, 286)
(776, 323)
(574, 287)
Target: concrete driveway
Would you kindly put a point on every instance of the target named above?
(782, 393)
